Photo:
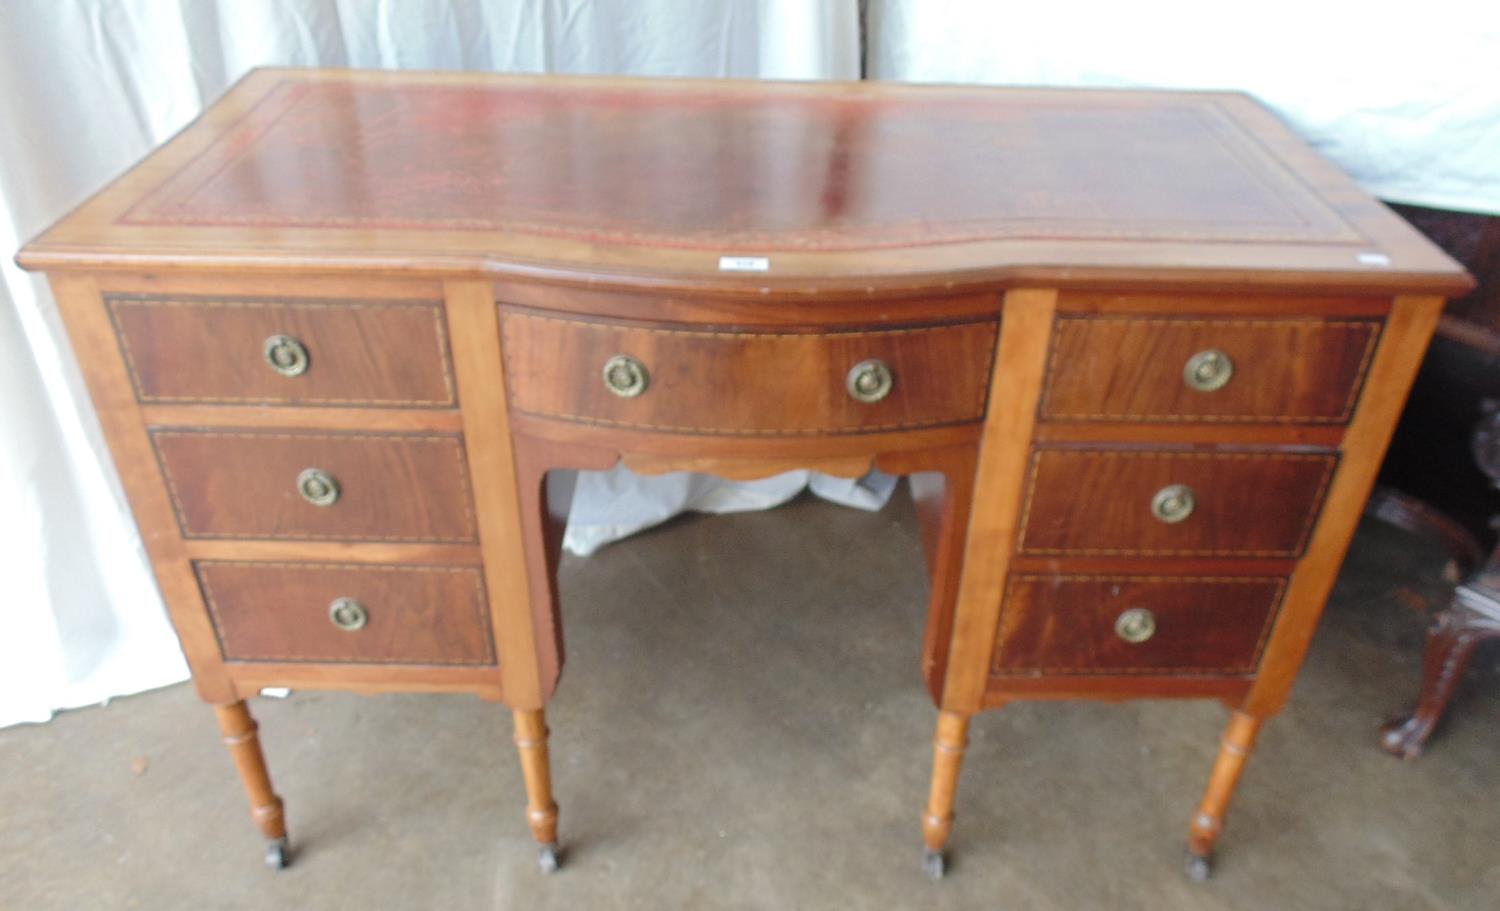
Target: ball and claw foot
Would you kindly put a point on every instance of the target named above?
(1199, 867)
(548, 857)
(278, 853)
(934, 864)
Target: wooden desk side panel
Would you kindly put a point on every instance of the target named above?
(1016, 387)
(1408, 329)
(126, 425)
(82, 306)
(530, 657)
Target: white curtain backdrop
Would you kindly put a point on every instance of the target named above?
(1404, 97)
(89, 86)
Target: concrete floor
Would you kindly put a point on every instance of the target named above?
(741, 725)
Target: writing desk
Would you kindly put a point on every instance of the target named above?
(1139, 353)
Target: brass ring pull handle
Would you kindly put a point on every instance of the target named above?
(286, 355)
(1135, 625)
(318, 487)
(348, 614)
(1173, 503)
(1208, 371)
(869, 381)
(625, 376)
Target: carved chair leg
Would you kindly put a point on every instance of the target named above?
(541, 810)
(239, 730)
(1450, 643)
(947, 756)
(1208, 822)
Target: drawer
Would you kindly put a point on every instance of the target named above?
(1134, 624)
(348, 612)
(1122, 502)
(355, 487)
(325, 353)
(723, 382)
(1229, 370)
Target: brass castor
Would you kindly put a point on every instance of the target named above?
(1199, 867)
(934, 864)
(278, 853)
(548, 858)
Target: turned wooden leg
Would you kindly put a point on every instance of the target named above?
(1208, 822)
(240, 736)
(947, 756)
(541, 810)
(1450, 643)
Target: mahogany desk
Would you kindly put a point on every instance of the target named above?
(1140, 354)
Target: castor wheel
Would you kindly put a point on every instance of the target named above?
(547, 857)
(278, 853)
(1199, 867)
(934, 864)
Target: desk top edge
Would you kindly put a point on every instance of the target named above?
(1329, 234)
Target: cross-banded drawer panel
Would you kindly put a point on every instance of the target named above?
(336, 613)
(392, 487)
(699, 381)
(1234, 370)
(1149, 502)
(1083, 624)
(285, 352)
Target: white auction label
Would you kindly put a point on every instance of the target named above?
(1373, 259)
(744, 264)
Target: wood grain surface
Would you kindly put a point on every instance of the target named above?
(394, 488)
(359, 353)
(746, 383)
(1065, 624)
(280, 612)
(1098, 502)
(1285, 370)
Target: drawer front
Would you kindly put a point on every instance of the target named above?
(1229, 370)
(1172, 503)
(373, 487)
(706, 382)
(207, 351)
(348, 612)
(1134, 624)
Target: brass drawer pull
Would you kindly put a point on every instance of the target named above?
(1135, 625)
(286, 355)
(625, 376)
(1173, 503)
(348, 614)
(869, 381)
(318, 487)
(1208, 371)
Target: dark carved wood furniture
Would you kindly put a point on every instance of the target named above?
(1451, 503)
(1472, 617)
(1140, 354)
(1442, 475)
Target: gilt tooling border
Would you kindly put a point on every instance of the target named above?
(1308, 217)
